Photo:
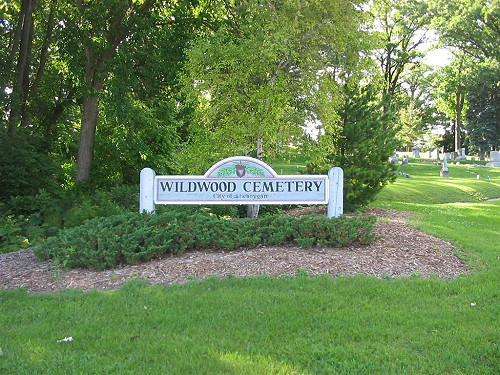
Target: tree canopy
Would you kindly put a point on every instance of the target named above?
(93, 91)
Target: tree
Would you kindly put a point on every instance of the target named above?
(360, 143)
(483, 118)
(250, 81)
(27, 31)
(417, 112)
(124, 54)
(411, 126)
(98, 29)
(141, 123)
(473, 28)
(469, 25)
(451, 93)
(33, 88)
(400, 29)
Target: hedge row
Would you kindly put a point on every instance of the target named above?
(132, 238)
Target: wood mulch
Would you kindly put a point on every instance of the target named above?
(398, 251)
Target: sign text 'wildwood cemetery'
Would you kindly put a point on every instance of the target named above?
(243, 180)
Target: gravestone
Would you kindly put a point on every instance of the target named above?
(444, 171)
(462, 154)
(494, 159)
(435, 154)
(416, 152)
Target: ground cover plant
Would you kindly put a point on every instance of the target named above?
(131, 238)
(298, 325)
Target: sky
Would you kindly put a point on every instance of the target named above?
(438, 57)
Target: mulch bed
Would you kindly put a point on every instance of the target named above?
(398, 251)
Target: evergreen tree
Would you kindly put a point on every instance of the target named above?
(361, 143)
(483, 118)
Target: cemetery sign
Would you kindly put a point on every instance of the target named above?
(240, 180)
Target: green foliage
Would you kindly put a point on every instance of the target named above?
(11, 236)
(80, 206)
(36, 217)
(470, 25)
(398, 24)
(131, 238)
(361, 143)
(252, 80)
(412, 126)
(483, 118)
(24, 167)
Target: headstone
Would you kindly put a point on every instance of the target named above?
(494, 159)
(495, 156)
(444, 171)
(435, 154)
(447, 155)
(462, 154)
(416, 152)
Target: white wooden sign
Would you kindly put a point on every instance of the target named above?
(243, 180)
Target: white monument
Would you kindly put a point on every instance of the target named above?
(444, 171)
(462, 155)
(416, 152)
(494, 159)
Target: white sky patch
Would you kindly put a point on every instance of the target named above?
(438, 57)
(433, 55)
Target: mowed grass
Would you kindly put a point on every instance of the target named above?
(297, 325)
(426, 186)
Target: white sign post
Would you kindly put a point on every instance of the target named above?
(336, 193)
(147, 195)
(242, 180)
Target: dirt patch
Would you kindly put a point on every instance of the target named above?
(398, 251)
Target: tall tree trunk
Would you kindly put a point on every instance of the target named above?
(90, 112)
(253, 209)
(20, 89)
(460, 99)
(45, 49)
(459, 104)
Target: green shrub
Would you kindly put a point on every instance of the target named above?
(11, 236)
(25, 165)
(41, 215)
(132, 238)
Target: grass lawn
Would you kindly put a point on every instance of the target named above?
(298, 325)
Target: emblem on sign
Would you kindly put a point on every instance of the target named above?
(240, 170)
